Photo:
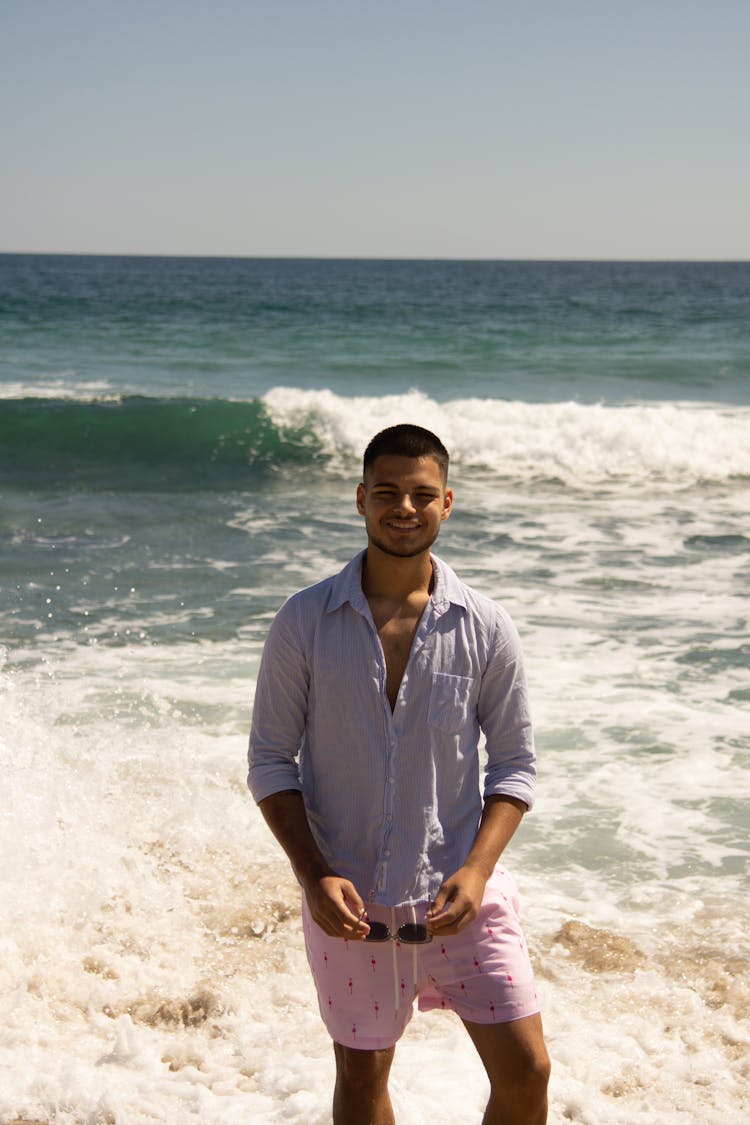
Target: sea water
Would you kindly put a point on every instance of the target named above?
(179, 445)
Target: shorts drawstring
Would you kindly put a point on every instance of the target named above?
(414, 955)
(394, 946)
(397, 989)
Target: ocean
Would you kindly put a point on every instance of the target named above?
(180, 441)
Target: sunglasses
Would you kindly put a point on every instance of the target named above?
(411, 933)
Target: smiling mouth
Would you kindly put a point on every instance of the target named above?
(403, 526)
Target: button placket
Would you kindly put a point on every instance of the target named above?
(381, 865)
(425, 627)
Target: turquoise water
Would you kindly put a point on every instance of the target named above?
(179, 445)
(235, 328)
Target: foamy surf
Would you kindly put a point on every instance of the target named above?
(152, 959)
(572, 442)
(141, 441)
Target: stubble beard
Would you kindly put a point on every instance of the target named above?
(407, 552)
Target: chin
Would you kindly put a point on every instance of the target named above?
(405, 551)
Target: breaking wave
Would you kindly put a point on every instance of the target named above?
(137, 441)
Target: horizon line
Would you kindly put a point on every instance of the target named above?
(362, 258)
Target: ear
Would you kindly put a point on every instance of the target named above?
(447, 504)
(361, 499)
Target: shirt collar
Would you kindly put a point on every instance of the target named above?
(448, 589)
(347, 586)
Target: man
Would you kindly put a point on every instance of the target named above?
(372, 691)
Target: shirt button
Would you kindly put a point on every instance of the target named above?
(391, 781)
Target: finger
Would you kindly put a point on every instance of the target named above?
(442, 900)
(354, 911)
(326, 902)
(452, 913)
(446, 913)
(336, 925)
(452, 924)
(358, 928)
(353, 901)
(348, 918)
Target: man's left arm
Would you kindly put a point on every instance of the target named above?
(458, 900)
(503, 713)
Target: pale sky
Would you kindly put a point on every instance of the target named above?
(418, 128)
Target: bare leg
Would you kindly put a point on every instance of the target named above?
(517, 1065)
(361, 1093)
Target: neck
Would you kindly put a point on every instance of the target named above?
(388, 575)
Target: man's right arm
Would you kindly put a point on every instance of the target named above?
(334, 902)
(279, 719)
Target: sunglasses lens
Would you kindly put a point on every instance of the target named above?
(412, 933)
(378, 932)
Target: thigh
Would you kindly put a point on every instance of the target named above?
(364, 997)
(484, 973)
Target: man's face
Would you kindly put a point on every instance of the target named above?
(404, 501)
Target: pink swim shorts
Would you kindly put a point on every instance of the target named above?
(366, 990)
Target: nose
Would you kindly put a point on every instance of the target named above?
(405, 504)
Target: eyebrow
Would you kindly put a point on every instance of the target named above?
(417, 487)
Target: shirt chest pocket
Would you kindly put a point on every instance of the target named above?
(450, 701)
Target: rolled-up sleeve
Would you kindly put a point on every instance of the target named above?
(280, 709)
(505, 717)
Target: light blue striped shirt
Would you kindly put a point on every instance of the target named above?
(392, 797)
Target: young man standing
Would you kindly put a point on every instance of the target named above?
(372, 692)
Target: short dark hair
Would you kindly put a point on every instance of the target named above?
(406, 440)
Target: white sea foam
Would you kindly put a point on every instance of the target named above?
(152, 962)
(578, 444)
(62, 385)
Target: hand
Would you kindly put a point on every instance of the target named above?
(337, 907)
(457, 902)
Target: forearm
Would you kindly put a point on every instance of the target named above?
(334, 902)
(460, 897)
(285, 815)
(500, 819)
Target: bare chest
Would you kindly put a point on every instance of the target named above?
(396, 634)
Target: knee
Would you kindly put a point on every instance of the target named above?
(531, 1077)
(362, 1072)
(538, 1070)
